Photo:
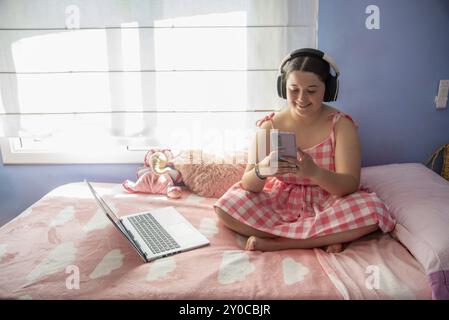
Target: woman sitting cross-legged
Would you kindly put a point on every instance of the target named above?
(313, 200)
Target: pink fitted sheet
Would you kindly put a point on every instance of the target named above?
(63, 247)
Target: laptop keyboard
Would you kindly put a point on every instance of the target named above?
(153, 233)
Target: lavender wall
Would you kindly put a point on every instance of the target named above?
(389, 78)
(22, 185)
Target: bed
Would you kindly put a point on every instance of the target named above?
(63, 247)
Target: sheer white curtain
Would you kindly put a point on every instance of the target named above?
(159, 71)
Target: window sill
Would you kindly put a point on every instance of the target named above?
(14, 152)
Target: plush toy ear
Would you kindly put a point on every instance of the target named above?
(168, 154)
(164, 154)
(158, 162)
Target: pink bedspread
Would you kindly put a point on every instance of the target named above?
(63, 247)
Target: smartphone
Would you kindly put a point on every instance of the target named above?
(284, 142)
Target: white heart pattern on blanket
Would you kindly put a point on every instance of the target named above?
(98, 221)
(111, 261)
(393, 286)
(208, 227)
(160, 268)
(65, 215)
(235, 266)
(293, 271)
(59, 258)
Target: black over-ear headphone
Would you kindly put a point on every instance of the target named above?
(331, 92)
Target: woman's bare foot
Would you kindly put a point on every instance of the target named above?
(334, 248)
(251, 244)
(262, 244)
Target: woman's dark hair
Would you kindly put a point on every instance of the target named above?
(308, 64)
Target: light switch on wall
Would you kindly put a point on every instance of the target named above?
(441, 99)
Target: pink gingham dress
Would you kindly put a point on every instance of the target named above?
(292, 207)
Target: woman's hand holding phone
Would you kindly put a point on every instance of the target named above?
(287, 158)
(306, 167)
(273, 166)
(284, 142)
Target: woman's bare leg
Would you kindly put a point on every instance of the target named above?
(263, 241)
(240, 227)
(333, 241)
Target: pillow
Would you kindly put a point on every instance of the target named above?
(418, 199)
(210, 175)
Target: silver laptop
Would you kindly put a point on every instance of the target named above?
(156, 233)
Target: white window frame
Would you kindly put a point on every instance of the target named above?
(14, 151)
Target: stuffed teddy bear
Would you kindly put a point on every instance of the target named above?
(157, 176)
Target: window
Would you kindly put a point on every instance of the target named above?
(86, 83)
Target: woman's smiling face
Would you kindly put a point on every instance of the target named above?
(305, 93)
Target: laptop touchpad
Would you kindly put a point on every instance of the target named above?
(179, 229)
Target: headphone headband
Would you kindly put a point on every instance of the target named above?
(332, 85)
(309, 52)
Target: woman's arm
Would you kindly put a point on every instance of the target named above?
(346, 178)
(250, 181)
(338, 184)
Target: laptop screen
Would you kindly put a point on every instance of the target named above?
(103, 204)
(114, 219)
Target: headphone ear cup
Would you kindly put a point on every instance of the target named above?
(330, 94)
(281, 87)
(327, 95)
(284, 88)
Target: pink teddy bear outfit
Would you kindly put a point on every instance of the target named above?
(157, 176)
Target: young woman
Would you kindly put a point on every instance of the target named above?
(314, 200)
